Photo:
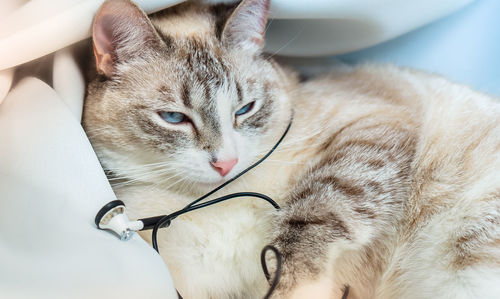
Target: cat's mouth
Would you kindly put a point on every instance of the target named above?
(217, 180)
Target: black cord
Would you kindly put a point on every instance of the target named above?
(163, 221)
(246, 170)
(346, 291)
(266, 271)
(158, 222)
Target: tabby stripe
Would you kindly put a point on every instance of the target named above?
(334, 136)
(372, 144)
(333, 226)
(369, 213)
(375, 187)
(343, 185)
(185, 95)
(239, 92)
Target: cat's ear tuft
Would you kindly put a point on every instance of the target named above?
(245, 28)
(121, 31)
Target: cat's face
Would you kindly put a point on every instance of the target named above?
(182, 107)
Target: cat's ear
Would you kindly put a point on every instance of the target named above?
(245, 28)
(121, 31)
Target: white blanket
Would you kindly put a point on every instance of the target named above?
(51, 188)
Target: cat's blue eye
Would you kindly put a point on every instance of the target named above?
(173, 117)
(245, 109)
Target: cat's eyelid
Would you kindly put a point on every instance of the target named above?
(188, 121)
(243, 105)
(254, 109)
(249, 107)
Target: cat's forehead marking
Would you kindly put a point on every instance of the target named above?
(166, 93)
(186, 95)
(239, 92)
(190, 19)
(188, 24)
(204, 60)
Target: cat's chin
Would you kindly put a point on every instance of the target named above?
(214, 183)
(207, 185)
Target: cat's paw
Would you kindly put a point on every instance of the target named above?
(321, 288)
(296, 277)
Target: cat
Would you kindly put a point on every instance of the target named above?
(388, 181)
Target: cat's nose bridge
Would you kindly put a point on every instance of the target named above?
(227, 149)
(226, 156)
(218, 139)
(209, 136)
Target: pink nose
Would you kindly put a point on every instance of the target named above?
(224, 167)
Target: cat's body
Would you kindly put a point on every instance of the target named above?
(389, 179)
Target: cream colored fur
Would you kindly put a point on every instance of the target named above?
(389, 179)
(219, 246)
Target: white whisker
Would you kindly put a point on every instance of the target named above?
(287, 44)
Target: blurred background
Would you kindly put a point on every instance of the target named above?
(463, 46)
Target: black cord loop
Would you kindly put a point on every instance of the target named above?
(277, 274)
(158, 222)
(247, 169)
(163, 221)
(166, 220)
(346, 291)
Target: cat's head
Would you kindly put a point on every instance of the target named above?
(185, 95)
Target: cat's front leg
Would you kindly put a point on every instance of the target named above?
(341, 214)
(310, 241)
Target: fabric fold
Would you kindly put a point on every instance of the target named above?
(51, 186)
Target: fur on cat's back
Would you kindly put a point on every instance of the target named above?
(389, 179)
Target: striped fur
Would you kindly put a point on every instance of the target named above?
(389, 178)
